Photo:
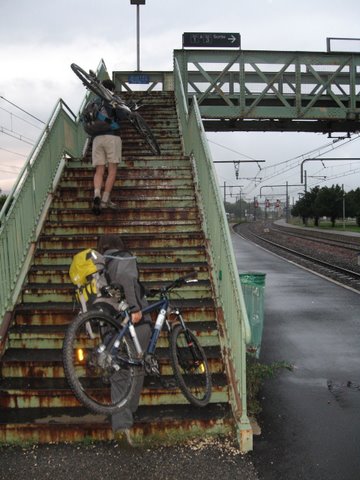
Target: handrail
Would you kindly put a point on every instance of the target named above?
(31, 158)
(226, 278)
(23, 213)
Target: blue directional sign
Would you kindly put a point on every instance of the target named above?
(211, 40)
(138, 78)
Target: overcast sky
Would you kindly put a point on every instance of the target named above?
(39, 39)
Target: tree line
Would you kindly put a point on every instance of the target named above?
(3, 198)
(331, 202)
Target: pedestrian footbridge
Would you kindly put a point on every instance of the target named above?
(171, 217)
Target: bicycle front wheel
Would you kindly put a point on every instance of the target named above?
(143, 128)
(99, 369)
(190, 366)
(91, 82)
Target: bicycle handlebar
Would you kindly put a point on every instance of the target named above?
(176, 283)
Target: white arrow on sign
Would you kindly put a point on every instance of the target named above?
(232, 39)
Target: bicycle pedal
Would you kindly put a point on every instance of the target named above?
(169, 384)
(152, 371)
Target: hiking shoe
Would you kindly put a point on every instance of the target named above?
(109, 204)
(96, 206)
(124, 437)
(128, 437)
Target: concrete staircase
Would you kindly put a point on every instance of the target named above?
(160, 222)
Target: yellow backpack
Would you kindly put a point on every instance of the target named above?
(87, 272)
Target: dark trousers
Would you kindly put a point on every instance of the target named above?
(124, 417)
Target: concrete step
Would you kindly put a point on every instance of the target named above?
(64, 291)
(144, 256)
(52, 336)
(139, 214)
(62, 313)
(47, 362)
(153, 424)
(18, 393)
(106, 224)
(156, 240)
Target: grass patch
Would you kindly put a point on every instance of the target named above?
(256, 374)
(350, 226)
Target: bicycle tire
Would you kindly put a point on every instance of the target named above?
(191, 368)
(91, 82)
(95, 379)
(144, 130)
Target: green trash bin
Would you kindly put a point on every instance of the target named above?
(253, 287)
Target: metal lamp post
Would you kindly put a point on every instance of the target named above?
(137, 3)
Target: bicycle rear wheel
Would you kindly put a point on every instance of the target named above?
(91, 82)
(96, 368)
(190, 366)
(143, 128)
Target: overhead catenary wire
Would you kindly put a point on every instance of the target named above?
(20, 118)
(16, 135)
(288, 164)
(10, 172)
(14, 153)
(297, 160)
(23, 110)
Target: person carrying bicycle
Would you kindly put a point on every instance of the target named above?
(121, 267)
(103, 123)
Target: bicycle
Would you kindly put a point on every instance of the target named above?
(91, 82)
(100, 348)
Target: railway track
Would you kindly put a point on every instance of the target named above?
(320, 237)
(336, 259)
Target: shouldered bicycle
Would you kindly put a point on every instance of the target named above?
(99, 349)
(91, 82)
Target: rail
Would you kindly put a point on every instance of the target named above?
(22, 215)
(229, 297)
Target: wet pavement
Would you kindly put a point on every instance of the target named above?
(311, 415)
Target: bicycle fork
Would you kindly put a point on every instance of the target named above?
(193, 349)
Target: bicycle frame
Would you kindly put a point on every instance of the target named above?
(114, 100)
(129, 109)
(102, 351)
(128, 326)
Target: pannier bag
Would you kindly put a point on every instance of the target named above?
(87, 272)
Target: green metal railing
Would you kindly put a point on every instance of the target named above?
(21, 215)
(229, 295)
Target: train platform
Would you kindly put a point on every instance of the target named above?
(310, 424)
(282, 222)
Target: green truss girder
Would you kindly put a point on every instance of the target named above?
(270, 90)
